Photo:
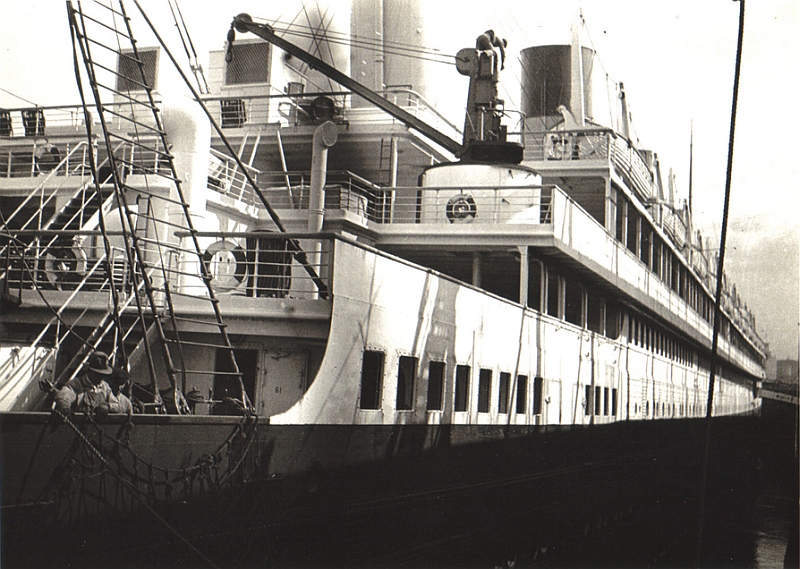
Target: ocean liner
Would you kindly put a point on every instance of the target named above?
(352, 331)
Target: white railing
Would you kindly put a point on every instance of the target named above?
(241, 111)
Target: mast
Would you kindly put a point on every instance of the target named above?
(577, 103)
(691, 162)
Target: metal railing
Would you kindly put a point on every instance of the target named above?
(591, 144)
(42, 158)
(257, 264)
(239, 111)
(225, 177)
(68, 260)
(479, 205)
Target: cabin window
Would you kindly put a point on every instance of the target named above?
(553, 296)
(633, 231)
(535, 270)
(573, 302)
(502, 399)
(538, 383)
(484, 390)
(371, 380)
(657, 256)
(406, 377)
(522, 393)
(129, 74)
(605, 401)
(587, 408)
(594, 313)
(435, 386)
(644, 250)
(250, 63)
(462, 388)
(612, 316)
(622, 217)
(614, 401)
(597, 399)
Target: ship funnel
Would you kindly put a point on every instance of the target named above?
(548, 81)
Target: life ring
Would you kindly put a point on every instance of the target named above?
(226, 262)
(65, 264)
(461, 209)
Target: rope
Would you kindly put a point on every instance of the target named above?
(133, 490)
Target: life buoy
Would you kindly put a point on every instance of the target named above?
(65, 264)
(226, 262)
(461, 209)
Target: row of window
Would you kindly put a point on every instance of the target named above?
(568, 300)
(659, 341)
(635, 232)
(600, 401)
(491, 396)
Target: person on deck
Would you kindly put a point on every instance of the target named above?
(91, 393)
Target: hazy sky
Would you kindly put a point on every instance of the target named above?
(676, 60)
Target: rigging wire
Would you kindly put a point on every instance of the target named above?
(18, 97)
(371, 46)
(351, 39)
(194, 63)
(318, 41)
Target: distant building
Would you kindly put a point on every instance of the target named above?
(787, 371)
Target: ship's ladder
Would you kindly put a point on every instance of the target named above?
(170, 272)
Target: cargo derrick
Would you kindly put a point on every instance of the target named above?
(484, 137)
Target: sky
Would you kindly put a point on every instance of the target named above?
(675, 58)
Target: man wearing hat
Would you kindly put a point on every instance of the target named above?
(91, 392)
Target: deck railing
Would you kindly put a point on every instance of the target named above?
(241, 111)
(592, 144)
(255, 264)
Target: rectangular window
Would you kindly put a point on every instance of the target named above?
(538, 382)
(522, 393)
(484, 390)
(622, 214)
(462, 388)
(612, 316)
(633, 231)
(371, 380)
(605, 401)
(535, 285)
(435, 386)
(250, 64)
(597, 399)
(502, 399)
(594, 313)
(573, 303)
(406, 377)
(614, 401)
(132, 77)
(587, 410)
(644, 250)
(553, 299)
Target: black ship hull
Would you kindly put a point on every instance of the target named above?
(416, 495)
